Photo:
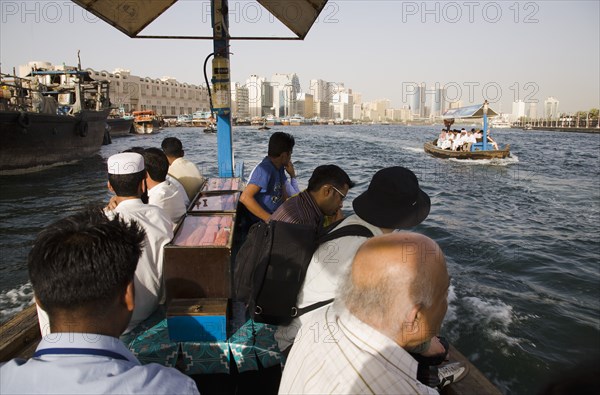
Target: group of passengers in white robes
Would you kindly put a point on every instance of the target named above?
(462, 140)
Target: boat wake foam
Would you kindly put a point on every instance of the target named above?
(15, 300)
(494, 162)
(490, 319)
(418, 150)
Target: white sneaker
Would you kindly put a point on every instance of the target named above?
(451, 373)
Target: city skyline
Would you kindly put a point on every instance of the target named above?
(519, 56)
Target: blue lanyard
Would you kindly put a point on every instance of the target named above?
(84, 351)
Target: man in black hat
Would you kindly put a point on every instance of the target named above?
(392, 201)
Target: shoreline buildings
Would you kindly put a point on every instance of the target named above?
(282, 97)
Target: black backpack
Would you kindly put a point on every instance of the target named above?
(271, 265)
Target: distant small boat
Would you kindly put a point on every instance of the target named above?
(184, 120)
(145, 122)
(202, 119)
(500, 124)
(528, 127)
(297, 120)
(210, 128)
(264, 127)
(255, 121)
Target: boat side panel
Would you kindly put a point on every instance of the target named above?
(446, 154)
(48, 139)
(20, 335)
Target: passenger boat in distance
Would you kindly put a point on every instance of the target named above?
(210, 128)
(52, 115)
(482, 149)
(432, 148)
(184, 120)
(145, 122)
(202, 119)
(500, 123)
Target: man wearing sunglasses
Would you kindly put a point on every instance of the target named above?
(324, 196)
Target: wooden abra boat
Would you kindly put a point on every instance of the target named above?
(479, 150)
(431, 148)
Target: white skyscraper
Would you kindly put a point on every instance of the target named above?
(343, 105)
(285, 92)
(438, 102)
(320, 90)
(240, 101)
(551, 108)
(532, 111)
(518, 110)
(255, 94)
(418, 101)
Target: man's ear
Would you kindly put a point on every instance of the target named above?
(110, 188)
(411, 320)
(325, 191)
(37, 301)
(129, 296)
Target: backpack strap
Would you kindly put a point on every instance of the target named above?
(300, 311)
(350, 230)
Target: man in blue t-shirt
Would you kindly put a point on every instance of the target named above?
(266, 191)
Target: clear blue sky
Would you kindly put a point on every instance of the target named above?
(501, 49)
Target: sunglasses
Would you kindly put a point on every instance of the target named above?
(338, 191)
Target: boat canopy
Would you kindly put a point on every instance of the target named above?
(469, 112)
(131, 17)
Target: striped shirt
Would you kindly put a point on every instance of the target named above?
(336, 353)
(299, 209)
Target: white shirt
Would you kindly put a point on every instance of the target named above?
(148, 278)
(78, 372)
(166, 196)
(458, 141)
(336, 353)
(188, 174)
(327, 266)
(174, 181)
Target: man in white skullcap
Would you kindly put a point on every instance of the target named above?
(126, 173)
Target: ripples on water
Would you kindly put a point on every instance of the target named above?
(520, 235)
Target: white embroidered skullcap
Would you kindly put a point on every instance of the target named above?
(125, 163)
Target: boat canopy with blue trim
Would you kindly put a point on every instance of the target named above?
(469, 112)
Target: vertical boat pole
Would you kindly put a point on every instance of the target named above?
(485, 124)
(222, 86)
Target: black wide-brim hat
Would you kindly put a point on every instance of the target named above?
(393, 200)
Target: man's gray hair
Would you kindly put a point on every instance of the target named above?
(386, 301)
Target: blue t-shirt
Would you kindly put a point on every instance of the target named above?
(271, 182)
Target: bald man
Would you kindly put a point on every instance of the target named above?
(393, 298)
